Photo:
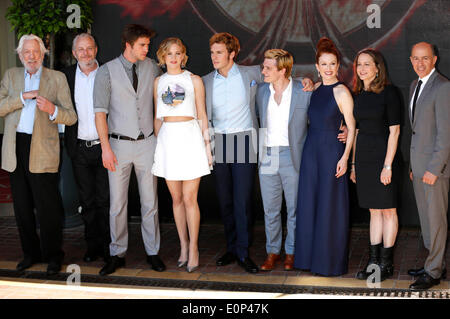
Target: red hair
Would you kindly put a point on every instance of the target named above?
(325, 45)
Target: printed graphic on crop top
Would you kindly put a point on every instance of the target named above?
(174, 95)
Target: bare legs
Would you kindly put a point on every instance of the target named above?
(383, 226)
(187, 217)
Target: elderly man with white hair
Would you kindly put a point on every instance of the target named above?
(33, 101)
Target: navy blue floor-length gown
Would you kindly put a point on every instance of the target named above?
(323, 204)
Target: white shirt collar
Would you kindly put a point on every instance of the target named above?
(289, 87)
(92, 72)
(425, 78)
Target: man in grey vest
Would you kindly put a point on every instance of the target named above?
(123, 90)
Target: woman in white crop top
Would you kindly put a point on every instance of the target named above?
(183, 152)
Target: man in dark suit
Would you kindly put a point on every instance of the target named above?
(429, 111)
(83, 146)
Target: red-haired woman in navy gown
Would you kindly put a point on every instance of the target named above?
(323, 205)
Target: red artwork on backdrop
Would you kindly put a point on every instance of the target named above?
(148, 8)
(295, 25)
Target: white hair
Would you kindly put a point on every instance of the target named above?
(26, 37)
(82, 35)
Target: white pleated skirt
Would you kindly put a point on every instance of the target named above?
(180, 152)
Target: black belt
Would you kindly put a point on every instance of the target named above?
(88, 143)
(126, 138)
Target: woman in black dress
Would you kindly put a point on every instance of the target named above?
(374, 165)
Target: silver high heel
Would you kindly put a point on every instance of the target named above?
(191, 269)
(181, 263)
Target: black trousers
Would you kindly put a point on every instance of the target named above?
(235, 171)
(93, 191)
(36, 191)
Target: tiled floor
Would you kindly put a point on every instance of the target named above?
(409, 253)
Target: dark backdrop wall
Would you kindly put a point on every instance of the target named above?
(295, 25)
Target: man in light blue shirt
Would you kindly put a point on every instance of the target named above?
(230, 105)
(34, 100)
(29, 106)
(230, 108)
(26, 121)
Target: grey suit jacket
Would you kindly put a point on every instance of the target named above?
(251, 76)
(430, 139)
(298, 118)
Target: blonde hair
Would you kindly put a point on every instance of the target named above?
(164, 47)
(283, 58)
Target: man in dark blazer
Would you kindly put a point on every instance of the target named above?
(83, 146)
(429, 111)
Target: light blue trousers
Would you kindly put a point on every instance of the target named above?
(277, 175)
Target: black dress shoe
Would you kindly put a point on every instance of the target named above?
(416, 272)
(53, 268)
(248, 265)
(156, 263)
(113, 263)
(424, 282)
(226, 259)
(26, 263)
(421, 271)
